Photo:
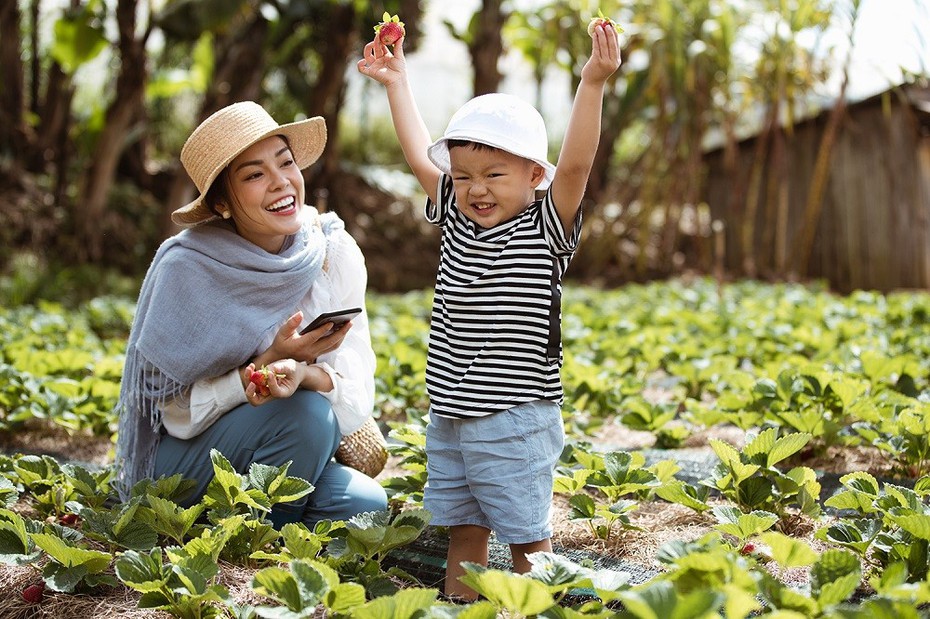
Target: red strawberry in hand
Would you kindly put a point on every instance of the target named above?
(260, 379)
(33, 593)
(390, 30)
(601, 20)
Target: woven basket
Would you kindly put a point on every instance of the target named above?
(364, 450)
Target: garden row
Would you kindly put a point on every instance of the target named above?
(803, 371)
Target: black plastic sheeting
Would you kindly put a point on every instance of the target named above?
(425, 560)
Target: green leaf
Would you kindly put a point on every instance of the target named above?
(677, 491)
(346, 596)
(787, 446)
(143, 572)
(513, 592)
(280, 585)
(917, 525)
(788, 551)
(745, 525)
(72, 556)
(832, 574)
(582, 507)
(405, 604)
(76, 42)
(755, 492)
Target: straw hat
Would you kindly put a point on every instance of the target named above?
(502, 121)
(221, 137)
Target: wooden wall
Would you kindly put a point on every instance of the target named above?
(874, 228)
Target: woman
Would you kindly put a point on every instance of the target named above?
(228, 295)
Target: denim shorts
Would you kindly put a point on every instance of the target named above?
(496, 471)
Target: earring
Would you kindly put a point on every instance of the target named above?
(226, 214)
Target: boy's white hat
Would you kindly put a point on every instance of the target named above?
(502, 121)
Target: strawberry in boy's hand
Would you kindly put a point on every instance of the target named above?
(260, 379)
(599, 21)
(390, 30)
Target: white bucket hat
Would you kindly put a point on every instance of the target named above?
(502, 121)
(229, 131)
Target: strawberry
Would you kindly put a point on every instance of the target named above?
(390, 30)
(601, 20)
(747, 549)
(69, 520)
(260, 379)
(33, 593)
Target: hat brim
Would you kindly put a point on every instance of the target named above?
(438, 153)
(306, 139)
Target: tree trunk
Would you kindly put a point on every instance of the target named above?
(35, 64)
(237, 76)
(327, 94)
(125, 109)
(12, 125)
(486, 47)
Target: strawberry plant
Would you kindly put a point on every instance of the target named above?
(409, 445)
(302, 587)
(182, 587)
(70, 565)
(16, 545)
(659, 418)
(125, 525)
(230, 493)
(750, 479)
(893, 524)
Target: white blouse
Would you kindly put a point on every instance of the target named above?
(351, 367)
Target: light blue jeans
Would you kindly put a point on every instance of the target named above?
(301, 429)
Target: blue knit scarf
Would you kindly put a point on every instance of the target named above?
(208, 301)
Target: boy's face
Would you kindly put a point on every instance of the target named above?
(492, 185)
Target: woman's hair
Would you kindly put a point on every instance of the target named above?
(219, 192)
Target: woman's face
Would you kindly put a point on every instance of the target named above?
(268, 193)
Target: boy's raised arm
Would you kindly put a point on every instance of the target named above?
(584, 125)
(390, 69)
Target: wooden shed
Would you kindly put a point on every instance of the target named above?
(873, 226)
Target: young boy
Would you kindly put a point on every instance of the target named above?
(495, 430)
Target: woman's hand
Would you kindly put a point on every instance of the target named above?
(282, 379)
(289, 344)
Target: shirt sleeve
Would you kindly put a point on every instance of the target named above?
(351, 366)
(439, 213)
(560, 243)
(208, 400)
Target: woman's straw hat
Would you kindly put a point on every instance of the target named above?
(221, 137)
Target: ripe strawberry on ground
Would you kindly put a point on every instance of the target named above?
(69, 520)
(599, 20)
(33, 593)
(390, 30)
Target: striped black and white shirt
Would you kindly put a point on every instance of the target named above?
(494, 330)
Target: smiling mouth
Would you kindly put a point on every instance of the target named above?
(483, 207)
(281, 205)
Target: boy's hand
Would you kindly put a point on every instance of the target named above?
(605, 54)
(380, 64)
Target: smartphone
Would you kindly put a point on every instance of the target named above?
(338, 318)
